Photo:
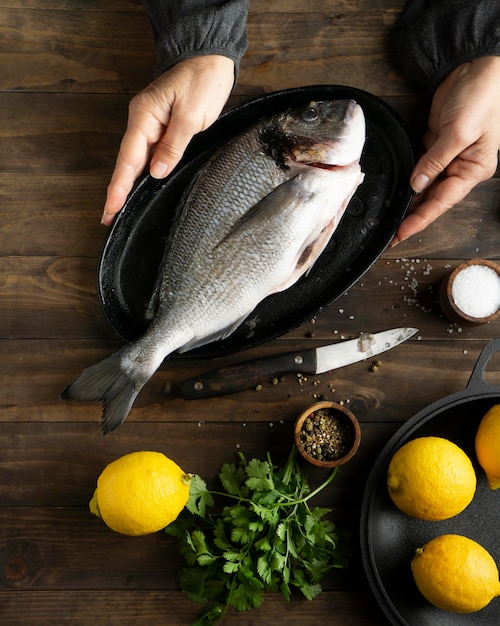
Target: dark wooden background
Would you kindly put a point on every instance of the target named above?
(68, 69)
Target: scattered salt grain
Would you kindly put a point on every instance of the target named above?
(476, 291)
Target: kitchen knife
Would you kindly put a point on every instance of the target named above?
(310, 361)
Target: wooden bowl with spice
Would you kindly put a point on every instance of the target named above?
(470, 295)
(327, 434)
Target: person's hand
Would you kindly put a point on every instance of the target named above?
(462, 142)
(163, 119)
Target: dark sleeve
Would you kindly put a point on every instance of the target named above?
(435, 36)
(189, 28)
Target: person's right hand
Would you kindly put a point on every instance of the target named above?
(462, 142)
(163, 119)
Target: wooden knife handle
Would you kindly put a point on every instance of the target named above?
(247, 374)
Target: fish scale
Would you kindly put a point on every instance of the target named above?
(253, 220)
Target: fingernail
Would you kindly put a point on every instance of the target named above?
(159, 169)
(420, 182)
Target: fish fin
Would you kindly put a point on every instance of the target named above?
(154, 299)
(196, 342)
(109, 383)
(309, 254)
(284, 196)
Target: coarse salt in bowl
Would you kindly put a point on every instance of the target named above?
(471, 293)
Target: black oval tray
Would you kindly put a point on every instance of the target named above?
(136, 240)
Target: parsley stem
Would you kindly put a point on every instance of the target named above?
(320, 488)
(289, 501)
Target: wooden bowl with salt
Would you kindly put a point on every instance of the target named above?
(470, 295)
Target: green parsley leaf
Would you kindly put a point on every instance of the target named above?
(232, 478)
(199, 496)
(230, 568)
(310, 591)
(259, 476)
(246, 597)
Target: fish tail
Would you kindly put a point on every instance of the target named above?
(110, 383)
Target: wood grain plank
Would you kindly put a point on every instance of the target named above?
(87, 5)
(468, 230)
(60, 134)
(158, 608)
(51, 215)
(50, 297)
(41, 537)
(257, 6)
(331, 7)
(77, 51)
(291, 49)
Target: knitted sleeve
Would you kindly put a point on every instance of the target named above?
(435, 36)
(189, 28)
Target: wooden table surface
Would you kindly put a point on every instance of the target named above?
(69, 69)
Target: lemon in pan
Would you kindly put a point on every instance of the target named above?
(488, 446)
(456, 574)
(431, 478)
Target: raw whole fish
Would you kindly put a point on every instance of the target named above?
(254, 220)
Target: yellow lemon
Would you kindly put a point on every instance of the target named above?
(431, 478)
(455, 574)
(140, 493)
(488, 446)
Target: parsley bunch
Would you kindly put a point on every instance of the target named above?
(267, 538)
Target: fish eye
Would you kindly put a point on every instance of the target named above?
(311, 114)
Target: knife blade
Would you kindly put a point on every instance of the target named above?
(244, 375)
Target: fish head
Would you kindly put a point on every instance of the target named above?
(326, 134)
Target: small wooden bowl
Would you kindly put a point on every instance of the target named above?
(339, 412)
(448, 305)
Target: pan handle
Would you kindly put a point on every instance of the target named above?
(476, 383)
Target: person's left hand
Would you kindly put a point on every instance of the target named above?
(163, 118)
(462, 142)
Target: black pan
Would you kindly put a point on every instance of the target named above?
(389, 537)
(135, 243)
